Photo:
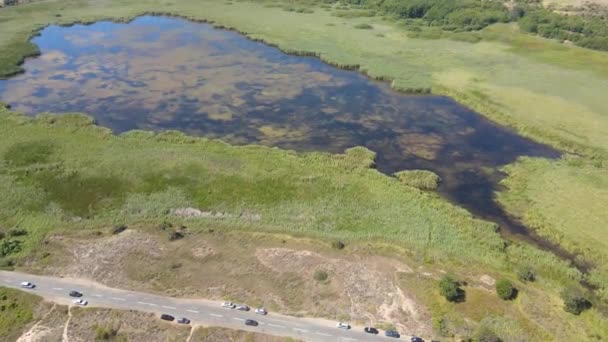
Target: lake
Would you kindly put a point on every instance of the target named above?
(159, 73)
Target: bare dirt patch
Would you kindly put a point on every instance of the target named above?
(245, 268)
(48, 328)
(103, 259)
(368, 284)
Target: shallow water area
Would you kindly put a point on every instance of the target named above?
(159, 73)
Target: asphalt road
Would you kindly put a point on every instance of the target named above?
(199, 311)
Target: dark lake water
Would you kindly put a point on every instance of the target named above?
(159, 73)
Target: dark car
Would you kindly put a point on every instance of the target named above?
(392, 333)
(416, 339)
(370, 330)
(75, 294)
(251, 322)
(183, 320)
(166, 317)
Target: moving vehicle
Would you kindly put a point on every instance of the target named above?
(81, 302)
(183, 320)
(416, 339)
(392, 333)
(261, 311)
(251, 322)
(241, 307)
(166, 317)
(229, 305)
(75, 294)
(27, 285)
(342, 325)
(371, 330)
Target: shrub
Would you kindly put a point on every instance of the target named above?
(14, 232)
(108, 334)
(575, 301)
(450, 289)
(320, 275)
(505, 289)
(364, 26)
(526, 274)
(165, 225)
(338, 244)
(119, 229)
(175, 235)
(8, 247)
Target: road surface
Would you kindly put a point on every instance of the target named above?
(205, 312)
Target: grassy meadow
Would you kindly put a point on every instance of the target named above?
(565, 202)
(74, 177)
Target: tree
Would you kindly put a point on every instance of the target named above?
(450, 289)
(505, 289)
(575, 301)
(485, 334)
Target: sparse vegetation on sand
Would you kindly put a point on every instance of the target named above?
(17, 310)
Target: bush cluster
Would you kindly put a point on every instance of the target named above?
(468, 15)
(575, 301)
(588, 32)
(450, 289)
(450, 14)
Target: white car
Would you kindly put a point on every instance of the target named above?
(342, 325)
(80, 302)
(261, 311)
(27, 285)
(229, 305)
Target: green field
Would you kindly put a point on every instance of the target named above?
(566, 202)
(72, 176)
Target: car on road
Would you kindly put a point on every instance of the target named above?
(183, 320)
(81, 302)
(251, 322)
(416, 339)
(342, 325)
(27, 285)
(75, 294)
(229, 305)
(241, 307)
(166, 317)
(392, 333)
(371, 330)
(261, 311)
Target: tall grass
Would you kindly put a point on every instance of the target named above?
(141, 177)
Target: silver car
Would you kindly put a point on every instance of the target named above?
(27, 285)
(80, 302)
